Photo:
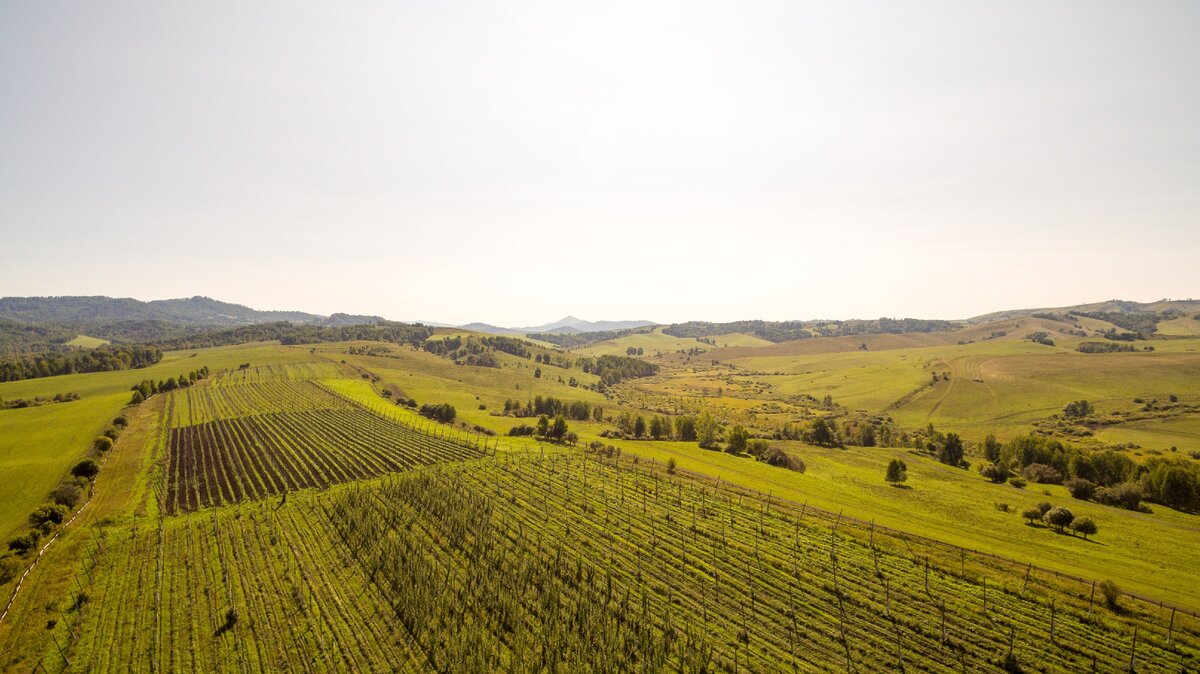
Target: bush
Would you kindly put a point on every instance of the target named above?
(48, 513)
(67, 495)
(521, 430)
(671, 464)
(1043, 508)
(1085, 526)
(775, 456)
(25, 543)
(1059, 518)
(1042, 474)
(120, 422)
(1112, 594)
(86, 468)
(1032, 514)
(9, 568)
(1126, 495)
(103, 443)
(994, 472)
(444, 412)
(1080, 488)
(1018, 482)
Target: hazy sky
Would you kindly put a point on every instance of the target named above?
(512, 162)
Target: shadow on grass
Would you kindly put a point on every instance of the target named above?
(902, 486)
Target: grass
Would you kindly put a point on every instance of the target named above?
(38, 445)
(85, 342)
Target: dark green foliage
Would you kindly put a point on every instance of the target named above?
(1085, 526)
(1042, 474)
(1032, 514)
(102, 359)
(444, 412)
(1104, 347)
(783, 331)
(86, 468)
(897, 472)
(951, 451)
(574, 339)
(67, 495)
(1112, 594)
(103, 443)
(1080, 488)
(615, 369)
(53, 513)
(1040, 337)
(1059, 517)
(25, 542)
(1126, 495)
(738, 438)
(1077, 409)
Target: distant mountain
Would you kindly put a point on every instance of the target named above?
(564, 326)
(1188, 306)
(192, 311)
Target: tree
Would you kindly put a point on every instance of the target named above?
(559, 430)
(137, 398)
(103, 443)
(1032, 514)
(685, 429)
(543, 425)
(67, 495)
(639, 426)
(1085, 526)
(991, 448)
(1078, 408)
(951, 452)
(1111, 593)
(897, 472)
(1080, 488)
(86, 468)
(706, 430)
(659, 427)
(822, 433)
(738, 437)
(671, 465)
(1059, 518)
(53, 513)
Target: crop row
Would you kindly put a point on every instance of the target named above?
(570, 563)
(257, 588)
(216, 402)
(251, 457)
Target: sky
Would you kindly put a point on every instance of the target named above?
(515, 162)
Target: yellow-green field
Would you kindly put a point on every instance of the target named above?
(999, 385)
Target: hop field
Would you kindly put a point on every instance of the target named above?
(266, 431)
(569, 562)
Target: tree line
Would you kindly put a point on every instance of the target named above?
(101, 359)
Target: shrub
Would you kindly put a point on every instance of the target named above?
(1126, 495)
(521, 430)
(1018, 482)
(86, 468)
(48, 513)
(1059, 518)
(103, 443)
(120, 422)
(1077, 409)
(67, 495)
(777, 457)
(1032, 514)
(444, 412)
(1080, 488)
(1042, 473)
(671, 464)
(9, 568)
(1085, 526)
(995, 472)
(738, 438)
(25, 543)
(1043, 508)
(1112, 594)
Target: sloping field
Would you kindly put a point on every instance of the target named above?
(568, 563)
